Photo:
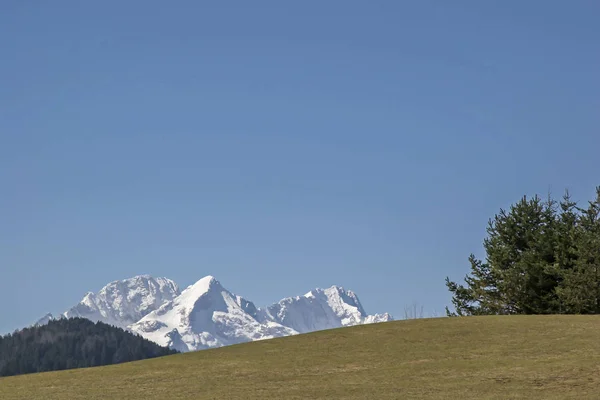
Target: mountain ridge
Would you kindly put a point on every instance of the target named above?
(206, 315)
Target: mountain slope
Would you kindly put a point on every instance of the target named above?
(516, 357)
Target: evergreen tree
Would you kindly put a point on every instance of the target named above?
(580, 288)
(72, 343)
(528, 248)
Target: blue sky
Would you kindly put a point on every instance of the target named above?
(279, 146)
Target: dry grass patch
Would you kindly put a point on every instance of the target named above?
(521, 357)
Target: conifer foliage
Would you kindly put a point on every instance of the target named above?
(542, 257)
(72, 343)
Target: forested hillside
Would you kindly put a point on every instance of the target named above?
(72, 343)
(542, 257)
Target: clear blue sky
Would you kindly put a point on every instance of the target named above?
(281, 146)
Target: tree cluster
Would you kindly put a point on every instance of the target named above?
(72, 343)
(542, 257)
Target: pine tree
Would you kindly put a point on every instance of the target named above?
(518, 275)
(71, 343)
(580, 287)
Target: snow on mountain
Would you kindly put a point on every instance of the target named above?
(121, 303)
(206, 315)
(320, 309)
(376, 318)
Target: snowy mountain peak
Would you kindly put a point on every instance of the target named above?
(319, 309)
(202, 286)
(138, 282)
(124, 302)
(338, 295)
(207, 315)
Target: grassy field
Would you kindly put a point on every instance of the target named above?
(521, 357)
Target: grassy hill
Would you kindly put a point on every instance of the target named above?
(550, 357)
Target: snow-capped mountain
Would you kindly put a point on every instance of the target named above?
(320, 309)
(206, 315)
(122, 303)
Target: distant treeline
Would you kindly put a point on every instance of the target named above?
(72, 343)
(542, 257)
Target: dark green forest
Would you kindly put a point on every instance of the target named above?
(72, 343)
(542, 257)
